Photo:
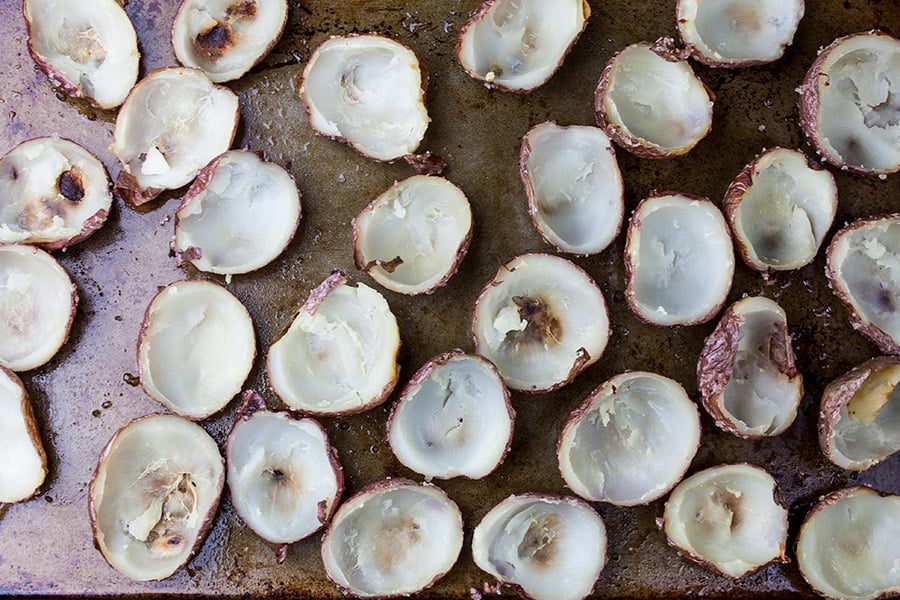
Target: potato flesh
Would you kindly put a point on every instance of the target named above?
(174, 122)
(425, 222)
(538, 543)
(634, 443)
(519, 44)
(368, 91)
(866, 261)
(34, 207)
(787, 211)
(225, 38)
(867, 429)
(760, 399)
(859, 103)
(849, 549)
(340, 358)
(281, 476)
(24, 465)
(92, 46)
(736, 31)
(660, 102)
(197, 349)
(728, 516)
(36, 307)
(455, 422)
(153, 494)
(682, 258)
(243, 219)
(577, 186)
(393, 541)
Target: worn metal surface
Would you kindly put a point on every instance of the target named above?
(84, 394)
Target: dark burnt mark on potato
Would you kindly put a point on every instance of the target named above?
(543, 324)
(71, 186)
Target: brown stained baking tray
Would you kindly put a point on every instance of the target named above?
(88, 391)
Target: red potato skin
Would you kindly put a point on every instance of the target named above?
(808, 105)
(31, 426)
(885, 342)
(665, 49)
(208, 519)
(251, 403)
(631, 238)
(837, 395)
(315, 299)
(425, 372)
(479, 14)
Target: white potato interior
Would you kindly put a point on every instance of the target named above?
(393, 540)
(634, 442)
(49, 189)
(519, 44)
(866, 263)
(456, 421)
(859, 103)
(728, 516)
(425, 222)
(849, 549)
(660, 102)
(577, 186)
(759, 399)
(367, 90)
(281, 476)
(682, 258)
(197, 348)
(174, 122)
(786, 212)
(153, 493)
(24, 467)
(90, 45)
(735, 31)
(244, 217)
(339, 358)
(36, 307)
(864, 437)
(538, 318)
(554, 548)
(225, 38)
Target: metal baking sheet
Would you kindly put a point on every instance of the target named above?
(87, 391)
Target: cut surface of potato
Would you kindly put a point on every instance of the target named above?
(517, 45)
(574, 186)
(240, 213)
(847, 546)
(850, 102)
(453, 418)
(541, 320)
(630, 441)
(412, 238)
(37, 305)
(225, 38)
(367, 91)
(53, 193)
(679, 260)
(89, 49)
(738, 33)
(728, 519)
(651, 102)
(196, 348)
(545, 547)
(780, 207)
(173, 123)
(24, 467)
(394, 538)
(863, 268)
(154, 495)
(339, 354)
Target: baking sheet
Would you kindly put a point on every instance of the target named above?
(86, 392)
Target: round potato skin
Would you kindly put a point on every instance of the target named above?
(881, 339)
(836, 396)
